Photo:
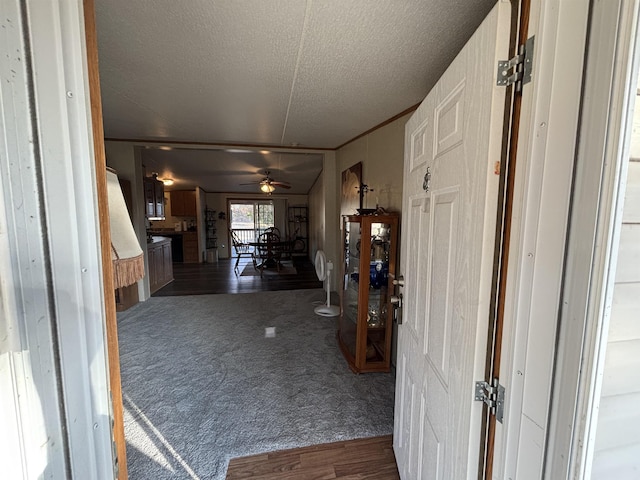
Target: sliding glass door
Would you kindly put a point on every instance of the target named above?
(249, 218)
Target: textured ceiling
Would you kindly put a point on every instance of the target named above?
(224, 171)
(313, 73)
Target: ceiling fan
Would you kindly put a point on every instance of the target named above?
(268, 184)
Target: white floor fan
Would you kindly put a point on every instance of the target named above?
(323, 270)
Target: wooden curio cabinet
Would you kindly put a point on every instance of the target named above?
(369, 263)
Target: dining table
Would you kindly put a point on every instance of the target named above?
(272, 248)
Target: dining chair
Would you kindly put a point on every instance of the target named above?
(241, 249)
(274, 230)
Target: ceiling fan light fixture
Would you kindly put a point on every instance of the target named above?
(267, 188)
(167, 181)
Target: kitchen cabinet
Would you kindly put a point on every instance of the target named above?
(183, 203)
(369, 263)
(154, 198)
(160, 266)
(190, 250)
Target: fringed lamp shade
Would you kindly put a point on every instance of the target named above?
(126, 254)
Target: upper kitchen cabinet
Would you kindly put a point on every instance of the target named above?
(183, 203)
(154, 198)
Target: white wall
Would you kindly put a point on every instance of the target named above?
(617, 444)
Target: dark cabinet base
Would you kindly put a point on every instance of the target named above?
(126, 297)
(160, 267)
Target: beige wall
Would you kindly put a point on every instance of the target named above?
(382, 155)
(324, 215)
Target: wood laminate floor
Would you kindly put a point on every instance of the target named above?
(368, 458)
(219, 277)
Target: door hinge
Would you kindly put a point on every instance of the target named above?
(517, 70)
(491, 394)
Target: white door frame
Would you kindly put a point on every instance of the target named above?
(51, 298)
(546, 146)
(559, 287)
(601, 167)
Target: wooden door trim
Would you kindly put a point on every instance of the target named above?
(520, 11)
(105, 237)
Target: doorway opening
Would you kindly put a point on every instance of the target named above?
(249, 218)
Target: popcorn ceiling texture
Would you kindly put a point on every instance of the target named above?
(316, 73)
(202, 384)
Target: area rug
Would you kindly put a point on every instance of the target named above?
(250, 271)
(204, 383)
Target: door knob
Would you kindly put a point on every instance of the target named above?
(396, 302)
(399, 281)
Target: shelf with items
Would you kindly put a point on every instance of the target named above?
(210, 223)
(365, 326)
(298, 229)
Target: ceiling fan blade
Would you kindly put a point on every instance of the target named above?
(281, 184)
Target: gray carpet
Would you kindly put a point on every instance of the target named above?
(202, 384)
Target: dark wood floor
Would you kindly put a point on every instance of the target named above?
(219, 277)
(369, 458)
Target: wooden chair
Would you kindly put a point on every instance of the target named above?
(268, 252)
(274, 230)
(242, 249)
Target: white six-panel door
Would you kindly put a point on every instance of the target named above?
(453, 144)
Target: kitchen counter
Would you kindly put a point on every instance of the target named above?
(169, 231)
(184, 244)
(157, 240)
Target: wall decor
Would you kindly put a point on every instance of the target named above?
(351, 181)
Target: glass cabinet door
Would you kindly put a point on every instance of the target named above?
(349, 320)
(369, 248)
(378, 293)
